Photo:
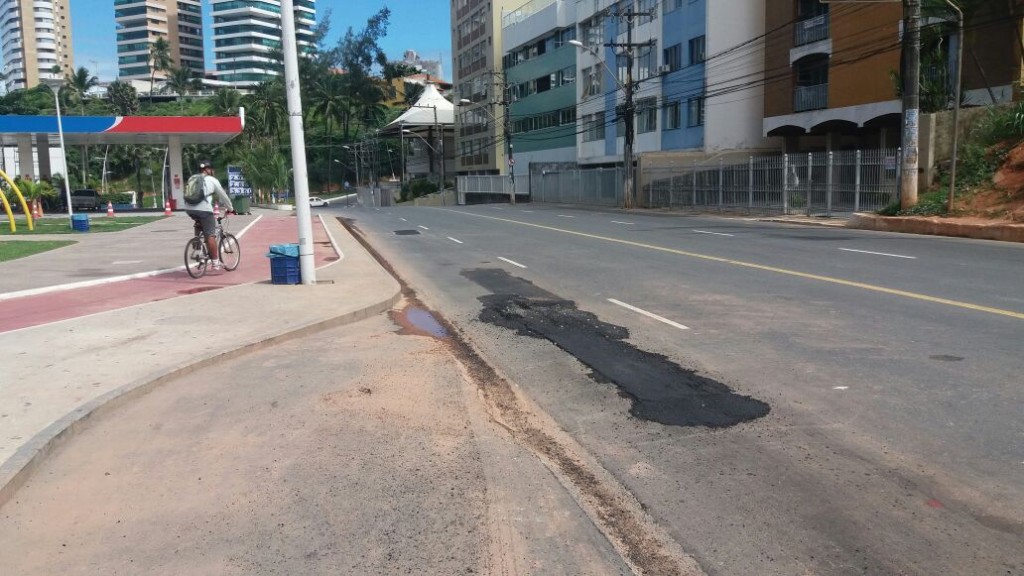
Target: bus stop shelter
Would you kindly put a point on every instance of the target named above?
(40, 133)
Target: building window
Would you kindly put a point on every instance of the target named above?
(697, 54)
(646, 115)
(695, 111)
(591, 81)
(593, 127)
(670, 116)
(592, 32)
(673, 57)
(671, 5)
(647, 62)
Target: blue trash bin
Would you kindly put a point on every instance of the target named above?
(284, 264)
(80, 222)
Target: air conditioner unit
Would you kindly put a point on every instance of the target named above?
(664, 69)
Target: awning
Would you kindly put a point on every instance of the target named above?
(142, 130)
(421, 114)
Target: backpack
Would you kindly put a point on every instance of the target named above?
(195, 189)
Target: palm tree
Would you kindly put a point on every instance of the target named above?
(160, 61)
(268, 111)
(329, 103)
(225, 102)
(79, 83)
(266, 168)
(180, 81)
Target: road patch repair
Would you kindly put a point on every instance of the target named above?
(660, 390)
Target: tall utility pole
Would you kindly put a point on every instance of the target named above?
(505, 102)
(629, 186)
(911, 102)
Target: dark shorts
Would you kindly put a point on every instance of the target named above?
(204, 220)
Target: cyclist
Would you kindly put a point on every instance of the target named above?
(202, 212)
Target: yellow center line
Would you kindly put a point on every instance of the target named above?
(818, 277)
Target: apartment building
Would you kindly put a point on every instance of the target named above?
(247, 34)
(141, 22)
(36, 36)
(478, 78)
(540, 72)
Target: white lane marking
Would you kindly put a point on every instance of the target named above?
(840, 387)
(618, 222)
(454, 240)
(512, 262)
(127, 262)
(403, 219)
(424, 227)
(565, 216)
(648, 314)
(715, 233)
(879, 253)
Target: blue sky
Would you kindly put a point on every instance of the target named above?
(420, 25)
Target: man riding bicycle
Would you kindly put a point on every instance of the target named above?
(202, 212)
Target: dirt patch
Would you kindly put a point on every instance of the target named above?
(1003, 200)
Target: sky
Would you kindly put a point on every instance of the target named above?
(420, 25)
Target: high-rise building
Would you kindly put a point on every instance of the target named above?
(36, 36)
(247, 35)
(141, 22)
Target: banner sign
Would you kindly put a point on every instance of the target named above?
(237, 186)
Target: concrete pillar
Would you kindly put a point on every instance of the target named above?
(26, 163)
(178, 176)
(43, 149)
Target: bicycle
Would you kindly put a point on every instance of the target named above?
(197, 256)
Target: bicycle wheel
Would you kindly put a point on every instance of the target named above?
(230, 251)
(196, 257)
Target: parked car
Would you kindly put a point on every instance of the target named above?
(314, 201)
(86, 199)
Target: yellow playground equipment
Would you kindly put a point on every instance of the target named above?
(7, 205)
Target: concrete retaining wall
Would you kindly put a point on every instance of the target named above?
(938, 227)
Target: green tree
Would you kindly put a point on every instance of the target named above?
(78, 85)
(268, 112)
(123, 98)
(225, 102)
(159, 60)
(266, 169)
(181, 81)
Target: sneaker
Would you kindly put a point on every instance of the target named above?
(216, 264)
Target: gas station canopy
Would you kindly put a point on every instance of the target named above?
(139, 130)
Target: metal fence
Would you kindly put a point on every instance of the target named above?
(598, 186)
(491, 185)
(813, 183)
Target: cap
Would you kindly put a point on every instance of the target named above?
(204, 164)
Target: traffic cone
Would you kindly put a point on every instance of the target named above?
(167, 208)
(110, 209)
(216, 209)
(37, 209)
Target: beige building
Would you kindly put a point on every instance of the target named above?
(477, 77)
(141, 22)
(36, 36)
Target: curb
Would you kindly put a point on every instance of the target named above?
(16, 471)
(937, 227)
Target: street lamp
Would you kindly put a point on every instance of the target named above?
(507, 129)
(427, 144)
(627, 88)
(55, 85)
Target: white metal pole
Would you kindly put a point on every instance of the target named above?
(63, 152)
(307, 264)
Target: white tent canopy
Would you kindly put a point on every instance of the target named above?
(421, 114)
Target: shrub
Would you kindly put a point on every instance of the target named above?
(417, 188)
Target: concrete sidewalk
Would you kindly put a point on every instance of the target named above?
(57, 376)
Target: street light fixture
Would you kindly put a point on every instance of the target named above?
(55, 85)
(427, 144)
(627, 88)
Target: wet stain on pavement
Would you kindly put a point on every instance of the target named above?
(418, 321)
(406, 232)
(946, 358)
(661, 390)
(198, 289)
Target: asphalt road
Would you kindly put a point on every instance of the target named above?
(890, 366)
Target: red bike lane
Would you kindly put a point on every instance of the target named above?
(41, 309)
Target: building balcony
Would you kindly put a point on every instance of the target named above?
(811, 30)
(810, 98)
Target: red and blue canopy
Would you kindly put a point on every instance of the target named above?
(154, 130)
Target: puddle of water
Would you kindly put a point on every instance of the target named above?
(418, 321)
(661, 390)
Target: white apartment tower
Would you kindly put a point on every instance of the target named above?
(140, 22)
(36, 36)
(247, 35)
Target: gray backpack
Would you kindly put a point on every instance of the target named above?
(195, 190)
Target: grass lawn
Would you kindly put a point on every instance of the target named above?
(63, 226)
(12, 249)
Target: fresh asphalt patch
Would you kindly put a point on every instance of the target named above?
(661, 390)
